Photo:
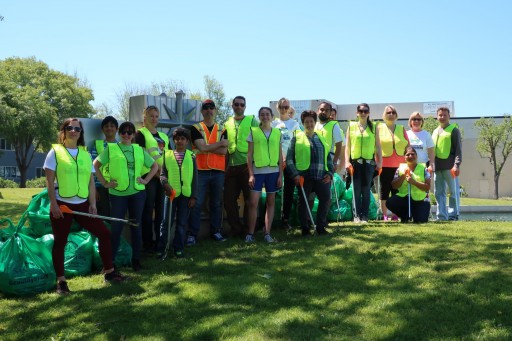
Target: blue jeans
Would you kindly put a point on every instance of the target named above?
(212, 182)
(119, 206)
(179, 216)
(443, 179)
(154, 201)
(361, 182)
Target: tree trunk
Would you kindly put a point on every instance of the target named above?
(496, 180)
(23, 176)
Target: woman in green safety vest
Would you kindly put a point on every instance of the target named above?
(393, 141)
(412, 181)
(309, 157)
(68, 169)
(363, 158)
(126, 185)
(264, 162)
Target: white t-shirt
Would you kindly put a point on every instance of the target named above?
(421, 141)
(337, 134)
(287, 128)
(51, 163)
(266, 169)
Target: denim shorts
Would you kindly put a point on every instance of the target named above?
(269, 180)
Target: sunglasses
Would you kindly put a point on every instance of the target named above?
(410, 154)
(208, 106)
(71, 128)
(285, 107)
(416, 119)
(391, 113)
(239, 104)
(363, 111)
(127, 132)
(151, 107)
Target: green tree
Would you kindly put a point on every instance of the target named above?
(429, 124)
(214, 90)
(495, 143)
(34, 99)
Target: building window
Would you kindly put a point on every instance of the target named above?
(9, 172)
(5, 145)
(40, 172)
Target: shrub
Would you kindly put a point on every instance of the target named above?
(37, 183)
(4, 183)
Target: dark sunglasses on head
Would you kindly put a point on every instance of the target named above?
(71, 128)
(127, 132)
(151, 107)
(208, 106)
(285, 107)
(239, 104)
(364, 111)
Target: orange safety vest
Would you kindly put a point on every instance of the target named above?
(205, 160)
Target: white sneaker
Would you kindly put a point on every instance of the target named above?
(268, 238)
(249, 238)
(357, 220)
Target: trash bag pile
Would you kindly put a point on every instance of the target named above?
(340, 210)
(26, 266)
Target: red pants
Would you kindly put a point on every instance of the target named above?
(61, 228)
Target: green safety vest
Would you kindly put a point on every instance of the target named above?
(119, 166)
(180, 178)
(73, 175)
(303, 151)
(237, 136)
(394, 141)
(152, 147)
(418, 175)
(361, 145)
(99, 144)
(327, 131)
(266, 151)
(443, 141)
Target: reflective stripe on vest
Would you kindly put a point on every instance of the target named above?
(303, 151)
(180, 178)
(418, 175)
(119, 166)
(206, 160)
(443, 141)
(327, 131)
(362, 145)
(266, 151)
(152, 147)
(73, 175)
(237, 136)
(390, 142)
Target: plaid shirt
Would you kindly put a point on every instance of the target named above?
(316, 170)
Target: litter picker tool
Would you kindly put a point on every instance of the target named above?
(351, 172)
(379, 205)
(301, 181)
(456, 190)
(408, 173)
(169, 224)
(337, 202)
(131, 222)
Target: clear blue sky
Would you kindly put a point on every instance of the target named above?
(343, 51)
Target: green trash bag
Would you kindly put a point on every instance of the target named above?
(123, 256)
(372, 210)
(39, 216)
(337, 186)
(78, 254)
(26, 266)
(47, 240)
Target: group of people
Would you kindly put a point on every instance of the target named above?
(140, 174)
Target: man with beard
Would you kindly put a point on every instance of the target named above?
(331, 131)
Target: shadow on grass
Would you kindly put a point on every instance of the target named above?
(362, 283)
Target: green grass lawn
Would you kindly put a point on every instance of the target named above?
(439, 281)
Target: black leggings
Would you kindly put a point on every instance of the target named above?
(387, 175)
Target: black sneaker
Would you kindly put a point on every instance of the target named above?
(305, 232)
(62, 288)
(116, 277)
(285, 224)
(321, 231)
